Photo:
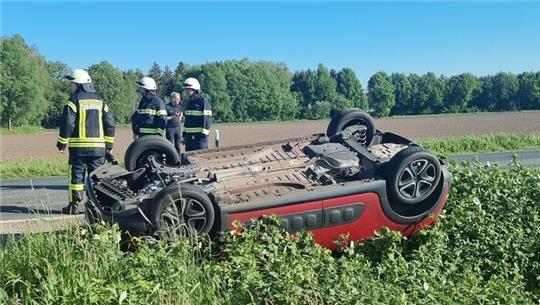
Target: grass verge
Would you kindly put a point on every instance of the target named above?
(485, 143)
(30, 168)
(483, 245)
(22, 130)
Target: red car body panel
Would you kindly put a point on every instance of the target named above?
(372, 218)
(280, 211)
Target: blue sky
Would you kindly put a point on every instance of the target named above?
(411, 37)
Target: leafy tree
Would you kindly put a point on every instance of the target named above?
(58, 93)
(321, 86)
(499, 92)
(261, 91)
(24, 82)
(460, 91)
(166, 83)
(349, 86)
(319, 110)
(403, 94)
(485, 101)
(279, 78)
(215, 87)
(299, 87)
(110, 84)
(528, 95)
(132, 94)
(381, 94)
(334, 74)
(505, 87)
(428, 94)
(156, 73)
(414, 105)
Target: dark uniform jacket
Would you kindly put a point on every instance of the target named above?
(150, 117)
(86, 125)
(171, 111)
(198, 116)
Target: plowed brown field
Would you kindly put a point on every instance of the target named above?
(415, 127)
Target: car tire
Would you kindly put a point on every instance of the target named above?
(182, 211)
(412, 175)
(157, 146)
(349, 117)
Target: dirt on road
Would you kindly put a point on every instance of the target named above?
(414, 127)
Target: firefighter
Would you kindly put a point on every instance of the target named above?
(174, 116)
(198, 116)
(151, 116)
(87, 128)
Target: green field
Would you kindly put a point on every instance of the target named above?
(23, 130)
(483, 250)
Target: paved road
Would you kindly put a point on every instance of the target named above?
(34, 204)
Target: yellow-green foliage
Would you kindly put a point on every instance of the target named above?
(483, 250)
(485, 143)
(34, 167)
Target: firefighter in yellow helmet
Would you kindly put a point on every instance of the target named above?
(151, 116)
(198, 116)
(87, 129)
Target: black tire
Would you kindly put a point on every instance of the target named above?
(182, 211)
(157, 146)
(412, 175)
(349, 117)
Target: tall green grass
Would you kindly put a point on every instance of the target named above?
(484, 143)
(34, 167)
(483, 250)
(22, 130)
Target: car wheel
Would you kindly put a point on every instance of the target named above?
(182, 211)
(138, 152)
(412, 175)
(351, 117)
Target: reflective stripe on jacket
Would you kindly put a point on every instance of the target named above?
(198, 115)
(87, 125)
(150, 117)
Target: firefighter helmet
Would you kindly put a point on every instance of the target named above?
(79, 76)
(192, 83)
(147, 83)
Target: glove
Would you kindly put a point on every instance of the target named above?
(135, 137)
(109, 156)
(60, 146)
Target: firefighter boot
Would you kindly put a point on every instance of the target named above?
(71, 208)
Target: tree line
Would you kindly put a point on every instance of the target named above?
(33, 90)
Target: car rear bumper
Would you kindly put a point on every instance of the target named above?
(131, 220)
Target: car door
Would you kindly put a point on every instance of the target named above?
(355, 216)
(295, 217)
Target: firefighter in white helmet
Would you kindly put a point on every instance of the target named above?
(87, 128)
(151, 116)
(198, 116)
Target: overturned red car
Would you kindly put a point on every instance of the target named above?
(352, 180)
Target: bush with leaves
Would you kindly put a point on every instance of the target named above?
(484, 250)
